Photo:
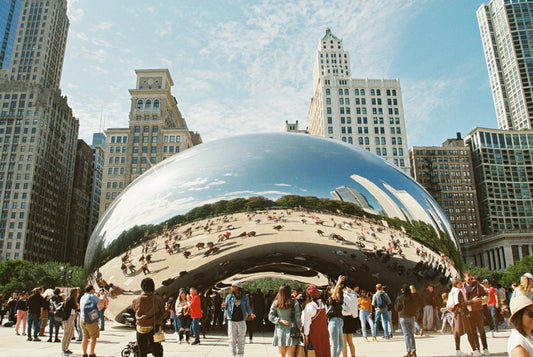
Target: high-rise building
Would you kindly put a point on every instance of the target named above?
(506, 31)
(363, 112)
(80, 204)
(98, 147)
(38, 138)
(39, 47)
(504, 175)
(446, 172)
(9, 14)
(156, 131)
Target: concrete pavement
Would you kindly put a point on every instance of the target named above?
(116, 337)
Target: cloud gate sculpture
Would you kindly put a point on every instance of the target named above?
(270, 205)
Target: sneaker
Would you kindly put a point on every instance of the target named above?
(486, 352)
(65, 353)
(49, 340)
(476, 353)
(460, 353)
(195, 343)
(36, 339)
(29, 339)
(57, 340)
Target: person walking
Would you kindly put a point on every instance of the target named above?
(284, 314)
(22, 312)
(315, 325)
(183, 315)
(407, 306)
(70, 307)
(474, 293)
(520, 343)
(334, 315)
(236, 308)
(102, 306)
(89, 320)
(53, 324)
(35, 306)
(493, 304)
(195, 305)
(365, 315)
(380, 302)
(149, 314)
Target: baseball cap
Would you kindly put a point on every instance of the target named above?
(528, 275)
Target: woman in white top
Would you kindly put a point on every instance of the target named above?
(520, 343)
(525, 288)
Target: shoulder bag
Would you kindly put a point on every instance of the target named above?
(294, 330)
(159, 336)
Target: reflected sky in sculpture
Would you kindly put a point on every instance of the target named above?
(269, 165)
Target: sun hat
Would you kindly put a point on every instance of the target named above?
(237, 284)
(518, 303)
(528, 275)
(312, 291)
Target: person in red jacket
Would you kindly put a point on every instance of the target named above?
(195, 306)
(474, 293)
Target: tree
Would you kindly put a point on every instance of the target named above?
(481, 273)
(515, 271)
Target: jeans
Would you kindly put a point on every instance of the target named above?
(336, 341)
(408, 329)
(33, 320)
(237, 337)
(51, 324)
(176, 322)
(494, 314)
(147, 339)
(389, 317)
(195, 328)
(102, 318)
(364, 316)
(383, 316)
(184, 325)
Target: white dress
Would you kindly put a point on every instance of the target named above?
(517, 339)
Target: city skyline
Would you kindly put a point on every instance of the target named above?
(243, 69)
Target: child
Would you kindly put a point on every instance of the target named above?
(447, 315)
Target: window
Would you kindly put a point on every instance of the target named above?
(398, 131)
(360, 141)
(135, 139)
(378, 151)
(154, 149)
(145, 149)
(171, 139)
(154, 139)
(145, 139)
(383, 142)
(135, 149)
(152, 160)
(328, 101)
(330, 130)
(134, 160)
(400, 151)
(148, 104)
(327, 91)
(367, 141)
(377, 141)
(384, 152)
(139, 104)
(328, 110)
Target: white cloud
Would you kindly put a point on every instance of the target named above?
(103, 26)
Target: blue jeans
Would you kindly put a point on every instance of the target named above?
(364, 316)
(176, 322)
(335, 336)
(51, 324)
(33, 320)
(494, 316)
(389, 317)
(384, 317)
(195, 328)
(408, 328)
(102, 318)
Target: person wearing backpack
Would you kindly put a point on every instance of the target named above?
(380, 302)
(55, 301)
(89, 318)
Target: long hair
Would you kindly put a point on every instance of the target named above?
(283, 299)
(525, 285)
(516, 321)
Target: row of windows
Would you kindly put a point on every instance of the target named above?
(359, 101)
(117, 160)
(357, 91)
(147, 104)
(146, 117)
(119, 139)
(362, 110)
(117, 149)
(364, 120)
(115, 184)
(360, 130)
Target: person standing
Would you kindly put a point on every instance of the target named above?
(183, 314)
(259, 308)
(236, 308)
(380, 302)
(70, 307)
(284, 313)
(45, 311)
(335, 321)
(3, 304)
(12, 308)
(407, 307)
(149, 314)
(474, 293)
(102, 306)
(195, 305)
(55, 300)
(35, 306)
(428, 298)
(365, 314)
(22, 312)
(315, 325)
(350, 313)
(493, 304)
(461, 323)
(520, 343)
(418, 329)
(89, 324)
(525, 288)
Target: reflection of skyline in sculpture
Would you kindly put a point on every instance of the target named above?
(386, 203)
(350, 194)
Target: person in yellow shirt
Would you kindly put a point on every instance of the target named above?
(365, 314)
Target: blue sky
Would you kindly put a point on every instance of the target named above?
(246, 66)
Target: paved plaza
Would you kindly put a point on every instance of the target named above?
(116, 336)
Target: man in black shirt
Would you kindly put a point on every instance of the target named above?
(35, 306)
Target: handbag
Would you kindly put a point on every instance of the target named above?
(293, 330)
(159, 336)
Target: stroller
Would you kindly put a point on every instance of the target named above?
(132, 350)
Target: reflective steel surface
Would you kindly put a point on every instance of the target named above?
(264, 237)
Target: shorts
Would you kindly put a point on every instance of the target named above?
(91, 330)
